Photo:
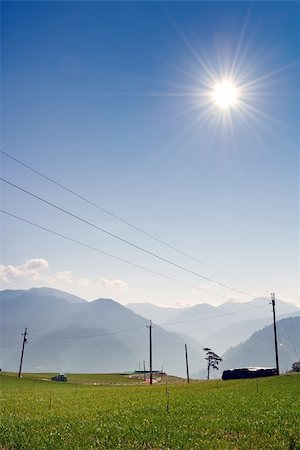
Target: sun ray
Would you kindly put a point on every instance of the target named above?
(248, 123)
(190, 75)
(268, 117)
(216, 96)
(255, 81)
(240, 41)
(187, 42)
(149, 94)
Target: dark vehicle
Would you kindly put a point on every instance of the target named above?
(60, 377)
(248, 372)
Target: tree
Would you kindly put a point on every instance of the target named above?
(296, 367)
(212, 360)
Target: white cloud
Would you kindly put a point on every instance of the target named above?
(35, 270)
(115, 284)
(36, 263)
(32, 269)
(64, 276)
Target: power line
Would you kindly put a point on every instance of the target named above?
(90, 345)
(216, 316)
(108, 254)
(165, 331)
(141, 267)
(88, 336)
(81, 197)
(263, 315)
(122, 239)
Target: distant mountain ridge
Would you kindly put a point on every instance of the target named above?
(163, 315)
(9, 294)
(80, 336)
(220, 326)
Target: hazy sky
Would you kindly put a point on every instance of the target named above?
(115, 101)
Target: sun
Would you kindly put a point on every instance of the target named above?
(225, 94)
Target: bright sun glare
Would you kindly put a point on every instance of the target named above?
(225, 95)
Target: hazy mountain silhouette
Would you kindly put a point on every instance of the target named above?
(44, 291)
(84, 336)
(220, 327)
(57, 293)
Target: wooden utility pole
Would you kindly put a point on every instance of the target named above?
(144, 370)
(187, 364)
(150, 349)
(22, 354)
(275, 333)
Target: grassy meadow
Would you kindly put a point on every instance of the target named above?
(114, 411)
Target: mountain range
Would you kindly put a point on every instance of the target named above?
(218, 327)
(67, 333)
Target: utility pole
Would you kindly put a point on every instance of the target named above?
(22, 354)
(144, 370)
(150, 348)
(187, 364)
(275, 333)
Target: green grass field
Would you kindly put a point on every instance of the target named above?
(243, 414)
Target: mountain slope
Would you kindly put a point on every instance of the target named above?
(258, 350)
(58, 294)
(9, 294)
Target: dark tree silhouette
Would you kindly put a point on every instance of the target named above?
(296, 367)
(212, 360)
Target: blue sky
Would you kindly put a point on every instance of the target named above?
(113, 100)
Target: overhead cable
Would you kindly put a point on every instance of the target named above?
(83, 244)
(87, 336)
(165, 332)
(115, 236)
(140, 230)
(215, 316)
